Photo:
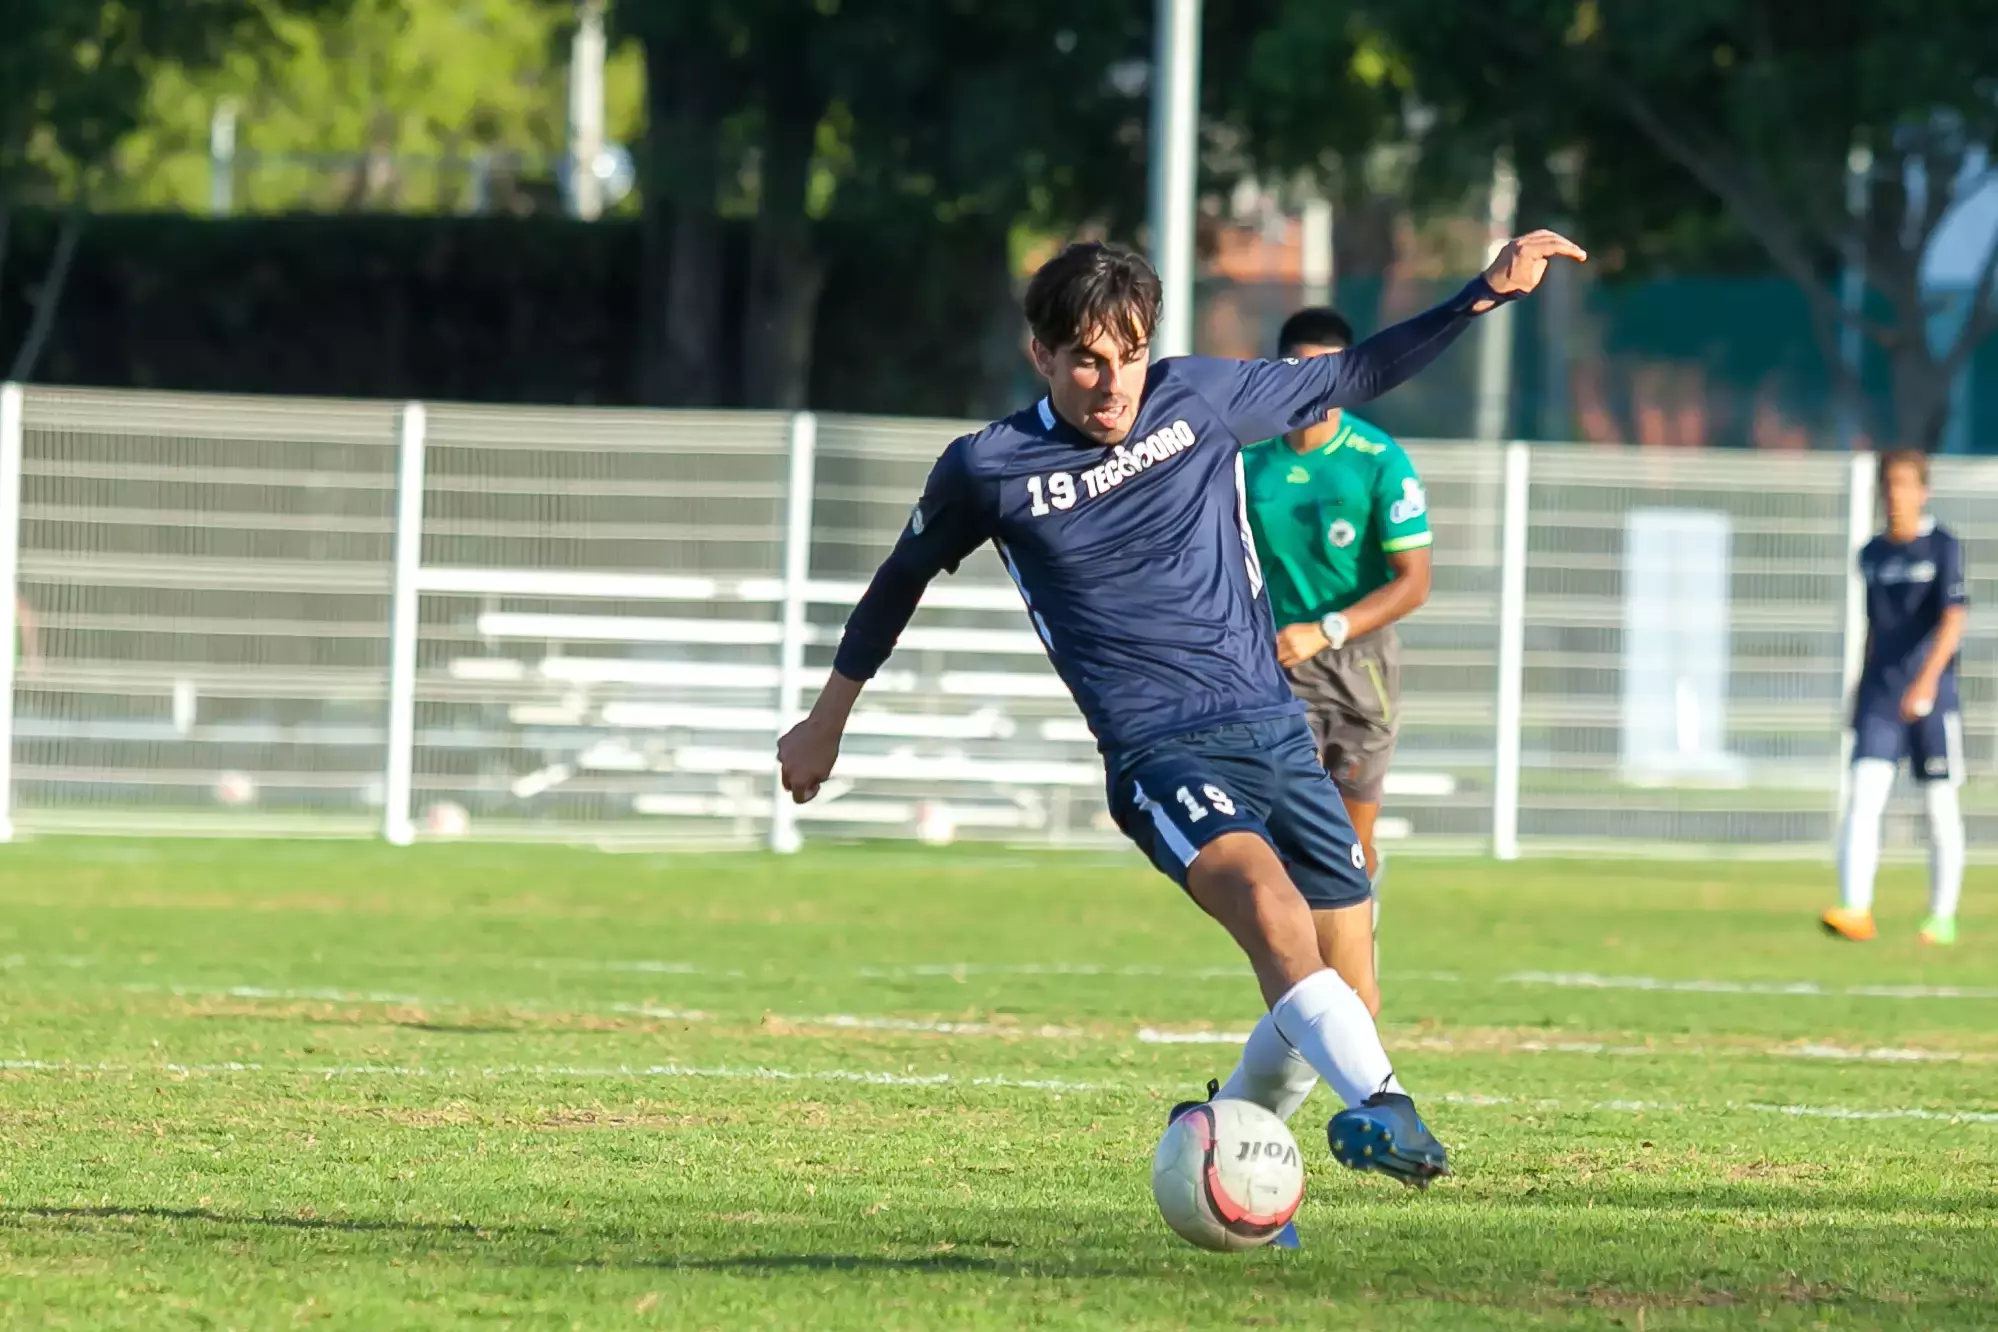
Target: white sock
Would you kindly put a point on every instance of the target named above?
(1859, 843)
(1945, 848)
(1272, 1073)
(1329, 1025)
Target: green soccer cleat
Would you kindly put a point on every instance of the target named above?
(1938, 931)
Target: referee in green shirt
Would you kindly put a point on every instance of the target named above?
(1342, 529)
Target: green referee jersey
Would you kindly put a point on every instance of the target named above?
(1326, 521)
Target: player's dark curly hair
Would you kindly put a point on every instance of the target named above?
(1314, 326)
(1914, 458)
(1091, 288)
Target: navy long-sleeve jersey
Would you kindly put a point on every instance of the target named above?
(1135, 561)
(1908, 587)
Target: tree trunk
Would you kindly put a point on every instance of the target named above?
(786, 277)
(1921, 396)
(682, 364)
(49, 298)
(786, 271)
(6, 219)
(1003, 358)
(692, 369)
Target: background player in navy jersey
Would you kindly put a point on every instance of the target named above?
(1906, 706)
(1117, 504)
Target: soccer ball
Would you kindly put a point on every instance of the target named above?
(1227, 1175)
(236, 788)
(446, 819)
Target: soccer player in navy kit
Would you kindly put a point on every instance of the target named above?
(1906, 706)
(1117, 504)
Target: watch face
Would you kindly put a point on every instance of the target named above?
(1341, 534)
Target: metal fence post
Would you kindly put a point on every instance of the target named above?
(1858, 531)
(12, 428)
(1511, 653)
(396, 826)
(784, 837)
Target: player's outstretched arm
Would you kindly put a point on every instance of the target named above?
(946, 525)
(1262, 399)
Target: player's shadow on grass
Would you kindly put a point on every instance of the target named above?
(854, 1262)
(502, 1234)
(1751, 1197)
(357, 1225)
(448, 1028)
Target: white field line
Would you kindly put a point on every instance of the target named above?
(1580, 980)
(834, 1021)
(852, 1021)
(1573, 980)
(514, 1072)
(1585, 980)
(510, 1072)
(1445, 1045)
(1145, 1034)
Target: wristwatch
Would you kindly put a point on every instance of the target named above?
(1335, 629)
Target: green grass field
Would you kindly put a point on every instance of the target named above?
(332, 1084)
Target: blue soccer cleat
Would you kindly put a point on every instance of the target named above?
(1384, 1134)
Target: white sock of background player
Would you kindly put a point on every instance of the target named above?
(1859, 841)
(1945, 847)
(1324, 1025)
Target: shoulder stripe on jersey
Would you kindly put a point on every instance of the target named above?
(1248, 536)
(1047, 414)
(1416, 542)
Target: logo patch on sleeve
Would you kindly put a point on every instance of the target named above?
(916, 520)
(1412, 504)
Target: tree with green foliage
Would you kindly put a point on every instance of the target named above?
(1695, 126)
(378, 104)
(74, 80)
(900, 113)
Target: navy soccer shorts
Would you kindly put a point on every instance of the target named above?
(1932, 745)
(1174, 797)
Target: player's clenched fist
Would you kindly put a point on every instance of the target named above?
(1522, 262)
(1300, 642)
(805, 757)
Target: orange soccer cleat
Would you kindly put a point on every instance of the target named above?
(1848, 924)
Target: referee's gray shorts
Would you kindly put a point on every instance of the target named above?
(1352, 698)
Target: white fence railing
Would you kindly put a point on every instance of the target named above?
(335, 617)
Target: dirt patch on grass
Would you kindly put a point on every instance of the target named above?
(1780, 1171)
(468, 1021)
(599, 1118)
(645, 1115)
(433, 1116)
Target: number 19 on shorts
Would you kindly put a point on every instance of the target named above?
(1195, 811)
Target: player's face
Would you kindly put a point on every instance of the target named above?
(1907, 496)
(1095, 384)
